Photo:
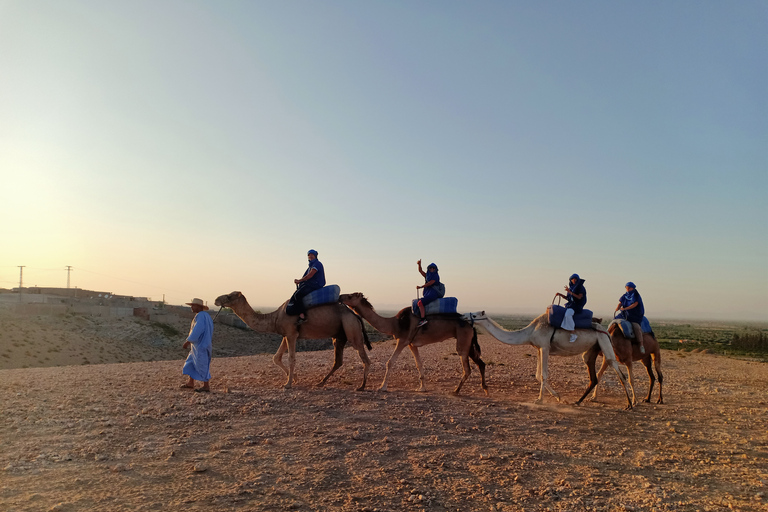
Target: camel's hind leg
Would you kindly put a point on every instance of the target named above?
(338, 357)
(600, 373)
(357, 342)
(420, 367)
(590, 358)
(474, 354)
(401, 344)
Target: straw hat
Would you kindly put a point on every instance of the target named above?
(199, 302)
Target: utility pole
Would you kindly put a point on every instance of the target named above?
(21, 279)
(69, 269)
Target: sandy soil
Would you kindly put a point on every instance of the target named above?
(124, 437)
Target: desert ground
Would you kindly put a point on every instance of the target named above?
(124, 437)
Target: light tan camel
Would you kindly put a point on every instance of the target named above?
(334, 320)
(626, 352)
(540, 334)
(403, 327)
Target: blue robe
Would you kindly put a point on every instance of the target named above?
(198, 362)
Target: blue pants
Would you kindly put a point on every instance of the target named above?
(295, 305)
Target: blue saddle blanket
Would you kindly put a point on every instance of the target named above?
(444, 305)
(555, 315)
(324, 295)
(626, 327)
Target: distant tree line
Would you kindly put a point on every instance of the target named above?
(753, 341)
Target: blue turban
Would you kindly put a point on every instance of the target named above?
(312, 251)
(574, 276)
(432, 265)
(631, 284)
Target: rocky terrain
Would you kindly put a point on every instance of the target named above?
(124, 437)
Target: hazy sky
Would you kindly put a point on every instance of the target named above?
(193, 148)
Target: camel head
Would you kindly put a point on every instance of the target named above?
(227, 300)
(474, 317)
(354, 300)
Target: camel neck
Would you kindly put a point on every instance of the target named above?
(378, 322)
(519, 337)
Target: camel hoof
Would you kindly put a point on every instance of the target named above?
(486, 392)
(361, 388)
(421, 390)
(539, 401)
(383, 389)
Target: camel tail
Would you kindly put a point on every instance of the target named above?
(365, 333)
(475, 344)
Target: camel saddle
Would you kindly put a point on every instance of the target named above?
(438, 306)
(324, 295)
(626, 327)
(555, 315)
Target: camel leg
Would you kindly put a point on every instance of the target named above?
(657, 364)
(360, 347)
(590, 358)
(631, 381)
(651, 379)
(544, 372)
(338, 358)
(291, 361)
(466, 371)
(401, 344)
(600, 373)
(473, 354)
(604, 340)
(420, 367)
(278, 357)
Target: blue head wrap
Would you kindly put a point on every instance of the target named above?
(631, 284)
(432, 265)
(312, 251)
(574, 276)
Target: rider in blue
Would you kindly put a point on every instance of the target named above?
(577, 299)
(431, 278)
(631, 304)
(313, 279)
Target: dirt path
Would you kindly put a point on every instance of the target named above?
(123, 437)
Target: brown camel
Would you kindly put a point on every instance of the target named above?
(439, 328)
(626, 352)
(334, 320)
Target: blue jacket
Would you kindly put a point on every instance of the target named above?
(577, 305)
(637, 313)
(318, 280)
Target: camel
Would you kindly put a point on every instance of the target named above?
(548, 341)
(439, 328)
(626, 352)
(333, 320)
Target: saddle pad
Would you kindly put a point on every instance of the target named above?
(322, 296)
(444, 305)
(555, 315)
(626, 328)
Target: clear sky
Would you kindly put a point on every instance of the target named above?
(192, 148)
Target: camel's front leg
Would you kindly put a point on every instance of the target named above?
(291, 361)
(278, 357)
(422, 378)
(401, 344)
(605, 345)
(631, 382)
(544, 369)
